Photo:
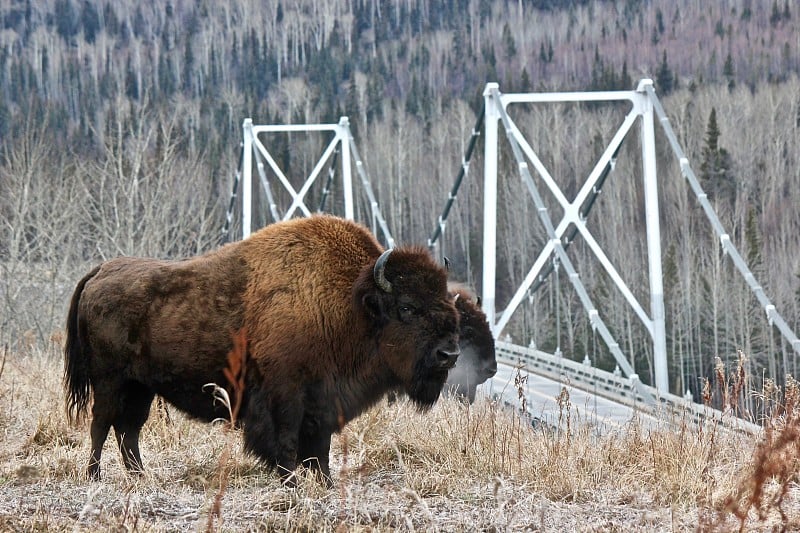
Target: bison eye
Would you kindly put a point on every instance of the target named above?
(405, 312)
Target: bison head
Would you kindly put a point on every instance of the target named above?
(413, 318)
(477, 361)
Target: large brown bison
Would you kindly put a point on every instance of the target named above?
(333, 322)
(477, 361)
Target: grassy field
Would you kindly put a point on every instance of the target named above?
(455, 468)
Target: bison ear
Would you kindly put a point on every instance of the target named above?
(478, 301)
(376, 308)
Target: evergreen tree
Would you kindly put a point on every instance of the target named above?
(727, 71)
(509, 45)
(597, 71)
(752, 236)
(664, 78)
(625, 81)
(188, 67)
(131, 82)
(490, 64)
(351, 105)
(413, 97)
(45, 70)
(719, 29)
(671, 303)
(166, 75)
(213, 70)
(90, 19)
(716, 174)
(5, 119)
(659, 22)
(110, 19)
(525, 82)
(375, 97)
(775, 15)
(66, 19)
(139, 24)
(758, 333)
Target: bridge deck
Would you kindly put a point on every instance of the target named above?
(603, 399)
(542, 395)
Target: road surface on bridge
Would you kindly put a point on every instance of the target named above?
(542, 396)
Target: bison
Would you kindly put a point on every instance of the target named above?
(477, 361)
(333, 322)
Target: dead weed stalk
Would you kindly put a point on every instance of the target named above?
(235, 374)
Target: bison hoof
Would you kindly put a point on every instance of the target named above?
(93, 472)
(289, 480)
(322, 478)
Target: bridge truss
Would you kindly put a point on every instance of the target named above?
(645, 106)
(255, 153)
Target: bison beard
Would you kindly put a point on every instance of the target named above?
(331, 328)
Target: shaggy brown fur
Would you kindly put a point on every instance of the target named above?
(324, 341)
(477, 361)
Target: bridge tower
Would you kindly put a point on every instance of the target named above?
(256, 154)
(644, 107)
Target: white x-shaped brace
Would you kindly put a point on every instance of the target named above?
(572, 216)
(297, 196)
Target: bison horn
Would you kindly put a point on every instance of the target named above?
(378, 272)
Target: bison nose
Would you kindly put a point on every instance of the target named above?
(490, 370)
(447, 354)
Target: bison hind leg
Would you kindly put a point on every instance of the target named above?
(99, 432)
(105, 407)
(134, 410)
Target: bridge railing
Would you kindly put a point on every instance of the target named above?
(616, 387)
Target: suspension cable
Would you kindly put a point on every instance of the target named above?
(557, 282)
(224, 237)
(262, 176)
(462, 173)
(328, 183)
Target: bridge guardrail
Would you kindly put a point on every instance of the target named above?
(615, 387)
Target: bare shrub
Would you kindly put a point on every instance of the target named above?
(144, 195)
(38, 230)
(760, 496)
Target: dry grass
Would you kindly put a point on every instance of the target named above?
(455, 468)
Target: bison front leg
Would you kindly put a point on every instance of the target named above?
(314, 450)
(272, 434)
(288, 420)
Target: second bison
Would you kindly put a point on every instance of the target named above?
(477, 361)
(333, 322)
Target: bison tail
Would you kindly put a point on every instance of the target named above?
(76, 358)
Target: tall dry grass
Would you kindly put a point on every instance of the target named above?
(455, 468)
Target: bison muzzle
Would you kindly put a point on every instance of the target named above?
(477, 361)
(333, 323)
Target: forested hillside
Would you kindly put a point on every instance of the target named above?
(121, 123)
